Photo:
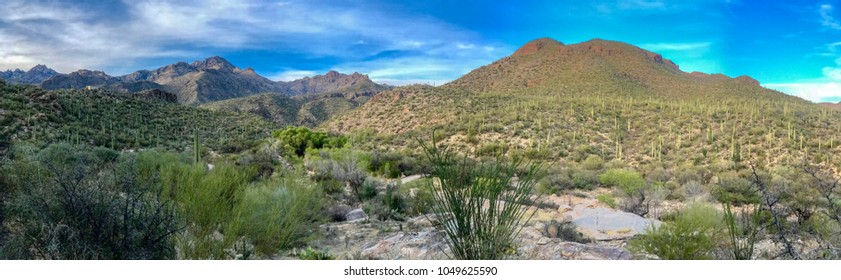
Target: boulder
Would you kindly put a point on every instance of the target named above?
(356, 215)
(604, 224)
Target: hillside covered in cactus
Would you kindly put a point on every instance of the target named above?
(119, 120)
(551, 101)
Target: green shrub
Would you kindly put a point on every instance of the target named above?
(207, 200)
(584, 179)
(627, 181)
(297, 140)
(593, 162)
(368, 189)
(736, 190)
(480, 208)
(607, 199)
(72, 202)
(279, 214)
(637, 195)
(692, 235)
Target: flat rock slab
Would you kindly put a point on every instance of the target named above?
(608, 224)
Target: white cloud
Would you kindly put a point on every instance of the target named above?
(812, 91)
(832, 73)
(465, 46)
(71, 36)
(700, 46)
(826, 17)
(291, 75)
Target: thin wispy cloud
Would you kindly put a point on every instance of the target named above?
(827, 18)
(69, 36)
(290, 75)
(700, 46)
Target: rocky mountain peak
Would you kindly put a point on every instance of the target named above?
(537, 45)
(213, 62)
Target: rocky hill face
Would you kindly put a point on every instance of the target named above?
(335, 82)
(596, 66)
(304, 110)
(206, 80)
(79, 79)
(34, 76)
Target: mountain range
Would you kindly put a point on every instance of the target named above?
(202, 81)
(36, 75)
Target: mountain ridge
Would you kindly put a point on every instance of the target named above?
(34, 75)
(212, 79)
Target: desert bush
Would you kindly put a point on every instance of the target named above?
(278, 214)
(419, 198)
(297, 140)
(207, 200)
(607, 199)
(734, 189)
(565, 231)
(337, 212)
(74, 202)
(637, 196)
(592, 162)
(627, 181)
(481, 208)
(692, 235)
(583, 179)
(343, 165)
(368, 190)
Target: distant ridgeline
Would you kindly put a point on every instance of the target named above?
(202, 81)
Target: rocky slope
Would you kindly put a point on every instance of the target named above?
(303, 110)
(334, 81)
(836, 106)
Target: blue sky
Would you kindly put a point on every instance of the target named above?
(791, 46)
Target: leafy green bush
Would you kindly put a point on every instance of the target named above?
(637, 195)
(593, 162)
(607, 199)
(297, 140)
(481, 209)
(692, 235)
(627, 181)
